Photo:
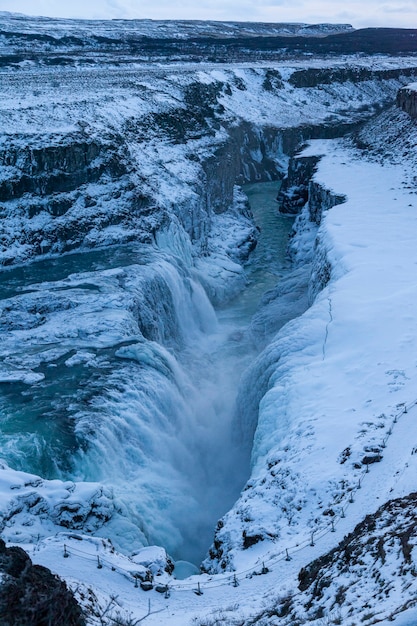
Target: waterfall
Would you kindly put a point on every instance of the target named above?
(137, 380)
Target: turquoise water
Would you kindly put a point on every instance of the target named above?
(165, 435)
(268, 262)
(37, 421)
(15, 279)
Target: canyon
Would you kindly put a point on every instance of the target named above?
(152, 418)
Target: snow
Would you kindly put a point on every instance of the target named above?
(331, 386)
(408, 619)
(349, 360)
(127, 29)
(342, 377)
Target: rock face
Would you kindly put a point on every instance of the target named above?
(369, 577)
(298, 187)
(67, 188)
(321, 199)
(294, 189)
(312, 77)
(31, 594)
(407, 99)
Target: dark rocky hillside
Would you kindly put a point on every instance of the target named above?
(70, 42)
(370, 571)
(31, 595)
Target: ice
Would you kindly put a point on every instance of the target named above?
(119, 359)
(13, 376)
(184, 569)
(334, 377)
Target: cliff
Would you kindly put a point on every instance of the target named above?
(321, 398)
(92, 158)
(407, 99)
(133, 169)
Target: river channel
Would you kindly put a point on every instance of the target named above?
(86, 397)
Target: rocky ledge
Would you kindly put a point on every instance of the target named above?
(31, 594)
(407, 99)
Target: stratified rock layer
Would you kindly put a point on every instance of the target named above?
(407, 99)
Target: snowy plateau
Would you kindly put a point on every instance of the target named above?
(176, 445)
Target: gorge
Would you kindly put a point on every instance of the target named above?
(145, 396)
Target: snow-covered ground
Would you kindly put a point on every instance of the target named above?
(345, 371)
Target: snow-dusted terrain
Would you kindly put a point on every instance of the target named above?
(123, 29)
(125, 243)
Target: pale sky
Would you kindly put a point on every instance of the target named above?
(359, 13)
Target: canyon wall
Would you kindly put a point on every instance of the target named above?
(93, 159)
(119, 158)
(407, 99)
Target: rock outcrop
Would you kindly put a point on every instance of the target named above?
(31, 595)
(321, 199)
(369, 577)
(407, 99)
(294, 189)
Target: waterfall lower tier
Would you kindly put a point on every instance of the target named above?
(116, 370)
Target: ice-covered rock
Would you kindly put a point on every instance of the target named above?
(407, 99)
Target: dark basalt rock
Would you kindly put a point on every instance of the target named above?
(251, 540)
(31, 595)
(146, 586)
(407, 100)
(321, 199)
(371, 458)
(294, 190)
(312, 77)
(13, 561)
(57, 168)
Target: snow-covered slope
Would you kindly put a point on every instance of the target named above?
(178, 29)
(337, 375)
(58, 42)
(369, 577)
(52, 42)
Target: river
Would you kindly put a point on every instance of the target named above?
(147, 413)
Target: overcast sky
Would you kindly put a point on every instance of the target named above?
(359, 13)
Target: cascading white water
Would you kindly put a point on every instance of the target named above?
(140, 381)
(160, 433)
